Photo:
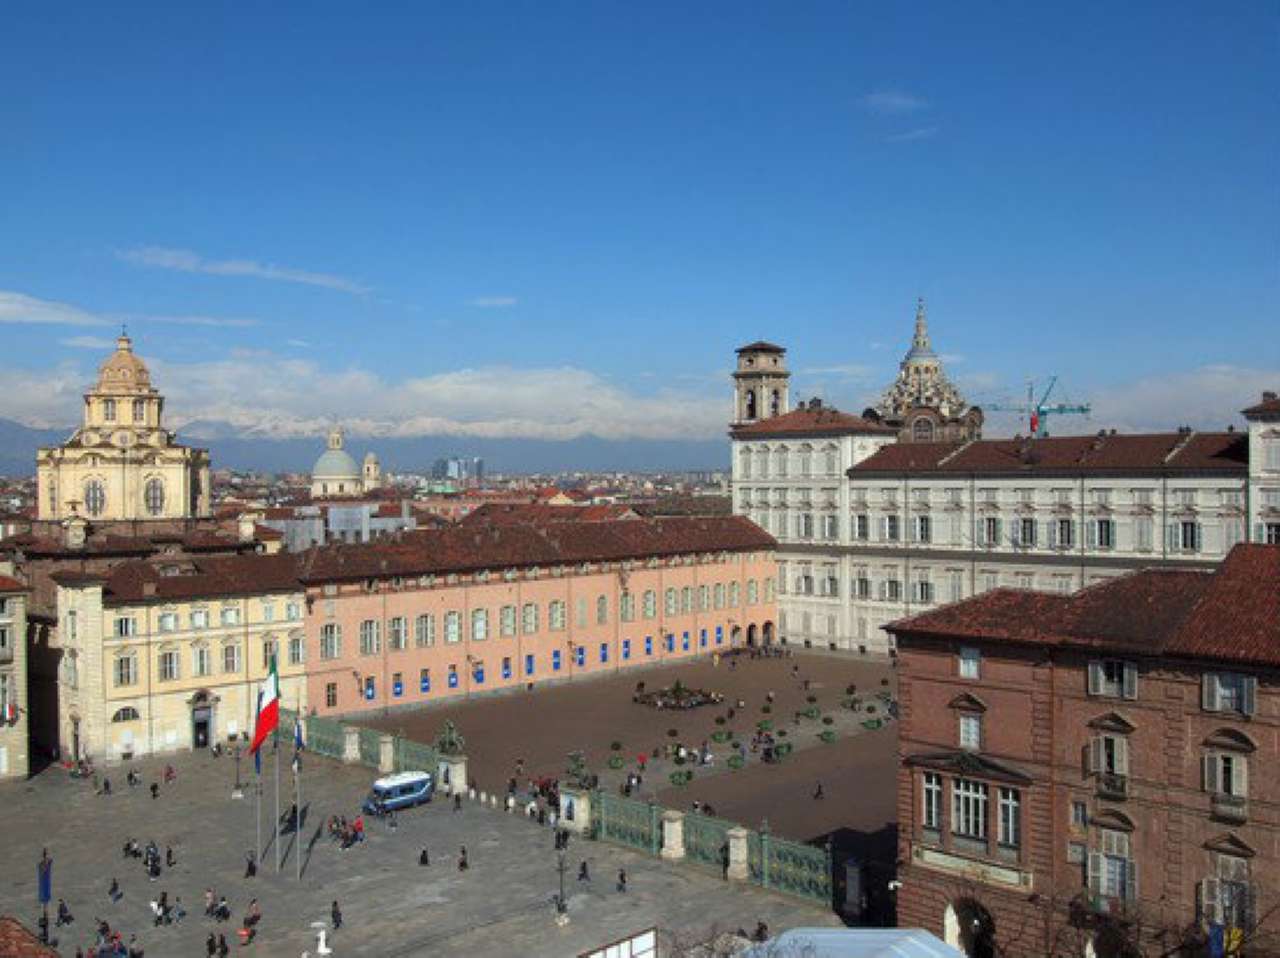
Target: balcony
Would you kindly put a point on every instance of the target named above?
(1230, 808)
(1112, 785)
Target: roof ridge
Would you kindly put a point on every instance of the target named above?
(955, 452)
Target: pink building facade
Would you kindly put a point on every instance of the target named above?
(457, 613)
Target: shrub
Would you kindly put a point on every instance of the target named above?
(616, 761)
(827, 736)
(884, 682)
(720, 719)
(850, 689)
(766, 709)
(812, 712)
(720, 735)
(871, 710)
(681, 777)
(735, 762)
(828, 720)
(782, 733)
(615, 747)
(811, 699)
(735, 745)
(672, 733)
(764, 725)
(680, 759)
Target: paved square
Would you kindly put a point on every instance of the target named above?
(391, 906)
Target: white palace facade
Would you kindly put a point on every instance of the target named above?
(872, 527)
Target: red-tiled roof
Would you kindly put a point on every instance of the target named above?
(495, 547)
(202, 577)
(493, 513)
(823, 421)
(1231, 614)
(760, 346)
(1270, 406)
(266, 533)
(1108, 452)
(8, 584)
(17, 942)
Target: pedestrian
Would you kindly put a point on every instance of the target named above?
(817, 793)
(211, 945)
(622, 880)
(208, 902)
(250, 866)
(223, 950)
(583, 874)
(179, 912)
(114, 891)
(106, 785)
(335, 915)
(169, 859)
(462, 859)
(155, 789)
(457, 801)
(424, 859)
(64, 914)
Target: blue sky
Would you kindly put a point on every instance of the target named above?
(549, 218)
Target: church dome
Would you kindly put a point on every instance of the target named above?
(335, 462)
(123, 369)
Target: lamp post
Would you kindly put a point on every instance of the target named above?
(562, 906)
(239, 789)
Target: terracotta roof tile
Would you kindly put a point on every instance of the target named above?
(760, 346)
(9, 584)
(493, 513)
(1231, 614)
(1105, 452)
(495, 547)
(824, 421)
(1270, 406)
(16, 941)
(201, 578)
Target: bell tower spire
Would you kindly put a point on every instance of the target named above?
(920, 341)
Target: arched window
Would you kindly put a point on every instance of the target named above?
(922, 430)
(153, 496)
(750, 411)
(775, 403)
(126, 714)
(602, 610)
(95, 497)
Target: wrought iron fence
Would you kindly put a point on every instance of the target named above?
(627, 821)
(796, 868)
(414, 756)
(370, 747)
(325, 737)
(706, 839)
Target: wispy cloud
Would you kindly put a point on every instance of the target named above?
(185, 261)
(492, 302)
(919, 133)
(194, 321)
(21, 308)
(893, 102)
(845, 371)
(299, 343)
(86, 342)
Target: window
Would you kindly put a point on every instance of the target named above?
(862, 527)
(507, 621)
(397, 683)
(1229, 692)
(168, 622)
(424, 631)
(970, 731)
(139, 411)
(1113, 678)
(891, 590)
(330, 641)
(1229, 898)
(293, 611)
(671, 602)
(297, 649)
(1079, 815)
(889, 529)
(397, 633)
(126, 670)
(331, 695)
(651, 603)
(231, 658)
(1109, 760)
(922, 529)
(580, 612)
(931, 816)
(969, 809)
(453, 627)
(1270, 533)
(126, 626)
(718, 595)
(602, 610)
(268, 612)
(126, 714)
(970, 659)
(752, 592)
(627, 605)
(95, 497)
(1010, 821)
(153, 497)
(1062, 533)
(1225, 773)
(956, 586)
(830, 527)
(1102, 533)
(169, 666)
(922, 589)
(686, 599)
(370, 637)
(1143, 535)
(202, 660)
(231, 616)
(862, 584)
(989, 531)
(1111, 869)
(479, 625)
(704, 598)
(199, 618)
(268, 653)
(529, 617)
(735, 593)
(1024, 531)
(1184, 536)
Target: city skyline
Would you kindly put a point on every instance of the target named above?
(528, 254)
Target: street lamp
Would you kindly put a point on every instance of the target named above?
(562, 906)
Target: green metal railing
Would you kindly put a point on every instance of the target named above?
(415, 757)
(706, 839)
(325, 737)
(370, 747)
(627, 821)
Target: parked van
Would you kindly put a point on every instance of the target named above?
(402, 790)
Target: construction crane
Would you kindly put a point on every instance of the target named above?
(1037, 413)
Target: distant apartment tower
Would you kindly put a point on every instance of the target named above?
(459, 469)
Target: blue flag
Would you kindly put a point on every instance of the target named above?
(44, 878)
(1217, 940)
(297, 744)
(257, 762)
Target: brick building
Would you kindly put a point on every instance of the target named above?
(1082, 772)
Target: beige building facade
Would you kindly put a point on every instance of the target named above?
(168, 655)
(14, 712)
(122, 463)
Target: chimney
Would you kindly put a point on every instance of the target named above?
(75, 532)
(149, 589)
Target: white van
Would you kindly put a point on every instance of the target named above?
(402, 790)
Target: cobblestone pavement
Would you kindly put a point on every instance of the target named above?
(391, 906)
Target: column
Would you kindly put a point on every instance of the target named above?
(672, 835)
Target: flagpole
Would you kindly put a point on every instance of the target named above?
(257, 790)
(297, 791)
(275, 741)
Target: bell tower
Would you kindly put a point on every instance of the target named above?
(760, 383)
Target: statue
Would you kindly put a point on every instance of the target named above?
(449, 742)
(577, 770)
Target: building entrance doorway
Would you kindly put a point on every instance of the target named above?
(201, 726)
(967, 925)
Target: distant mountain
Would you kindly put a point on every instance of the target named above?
(18, 444)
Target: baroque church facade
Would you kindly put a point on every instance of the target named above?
(122, 464)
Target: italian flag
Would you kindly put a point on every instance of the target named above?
(268, 708)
